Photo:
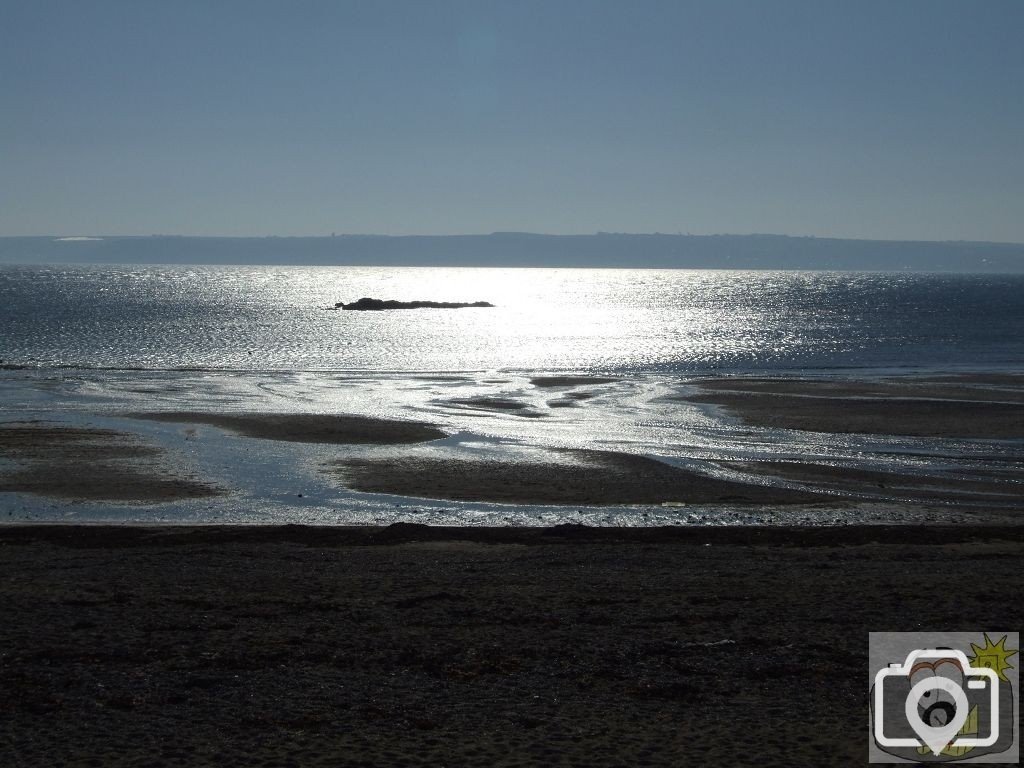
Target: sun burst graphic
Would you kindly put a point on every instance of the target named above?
(993, 656)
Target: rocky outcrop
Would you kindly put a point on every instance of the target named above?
(379, 304)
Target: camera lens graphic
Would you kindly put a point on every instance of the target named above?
(939, 713)
(952, 708)
(936, 706)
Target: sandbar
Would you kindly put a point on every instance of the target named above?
(896, 482)
(568, 381)
(931, 410)
(597, 478)
(91, 464)
(976, 387)
(498, 404)
(340, 429)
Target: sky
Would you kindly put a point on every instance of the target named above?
(899, 119)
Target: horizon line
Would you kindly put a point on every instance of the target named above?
(91, 237)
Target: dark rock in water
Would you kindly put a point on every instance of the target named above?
(378, 304)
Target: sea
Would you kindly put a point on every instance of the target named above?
(611, 321)
(91, 343)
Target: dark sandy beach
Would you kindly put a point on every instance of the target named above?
(507, 647)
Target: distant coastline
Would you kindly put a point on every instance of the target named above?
(522, 249)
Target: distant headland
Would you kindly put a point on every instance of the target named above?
(523, 249)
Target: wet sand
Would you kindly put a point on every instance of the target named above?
(552, 382)
(966, 407)
(96, 464)
(1006, 487)
(509, 647)
(975, 387)
(91, 464)
(498, 404)
(308, 427)
(597, 478)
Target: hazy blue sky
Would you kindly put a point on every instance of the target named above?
(866, 118)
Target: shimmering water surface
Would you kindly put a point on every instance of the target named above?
(628, 321)
(94, 344)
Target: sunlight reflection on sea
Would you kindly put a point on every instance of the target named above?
(629, 321)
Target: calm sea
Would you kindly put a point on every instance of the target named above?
(623, 321)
